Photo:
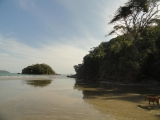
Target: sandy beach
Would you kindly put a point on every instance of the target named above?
(126, 107)
(124, 102)
(114, 100)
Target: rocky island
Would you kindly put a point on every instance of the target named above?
(39, 69)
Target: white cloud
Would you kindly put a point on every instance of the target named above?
(65, 52)
(60, 57)
(81, 15)
(4, 55)
(26, 4)
(96, 14)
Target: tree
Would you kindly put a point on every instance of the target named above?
(38, 69)
(134, 17)
(134, 54)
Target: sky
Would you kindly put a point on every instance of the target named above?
(58, 33)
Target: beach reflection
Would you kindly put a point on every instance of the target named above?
(124, 101)
(38, 83)
(56, 101)
(92, 89)
(59, 101)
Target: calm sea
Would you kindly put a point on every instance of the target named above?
(56, 97)
(44, 97)
(10, 74)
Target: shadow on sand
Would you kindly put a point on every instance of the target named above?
(1, 117)
(149, 107)
(132, 93)
(119, 98)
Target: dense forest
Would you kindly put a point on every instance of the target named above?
(38, 69)
(134, 55)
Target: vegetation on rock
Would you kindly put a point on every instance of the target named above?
(38, 69)
(134, 54)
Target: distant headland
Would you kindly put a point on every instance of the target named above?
(4, 71)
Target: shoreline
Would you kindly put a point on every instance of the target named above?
(126, 106)
(26, 78)
(131, 83)
(123, 101)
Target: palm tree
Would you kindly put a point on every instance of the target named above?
(134, 17)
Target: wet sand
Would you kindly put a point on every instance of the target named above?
(45, 100)
(62, 98)
(124, 102)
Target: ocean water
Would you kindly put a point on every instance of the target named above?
(10, 74)
(44, 97)
(56, 97)
(18, 75)
(15, 76)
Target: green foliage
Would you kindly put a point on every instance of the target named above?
(91, 62)
(131, 56)
(122, 59)
(38, 69)
(134, 17)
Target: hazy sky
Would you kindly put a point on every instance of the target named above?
(56, 32)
